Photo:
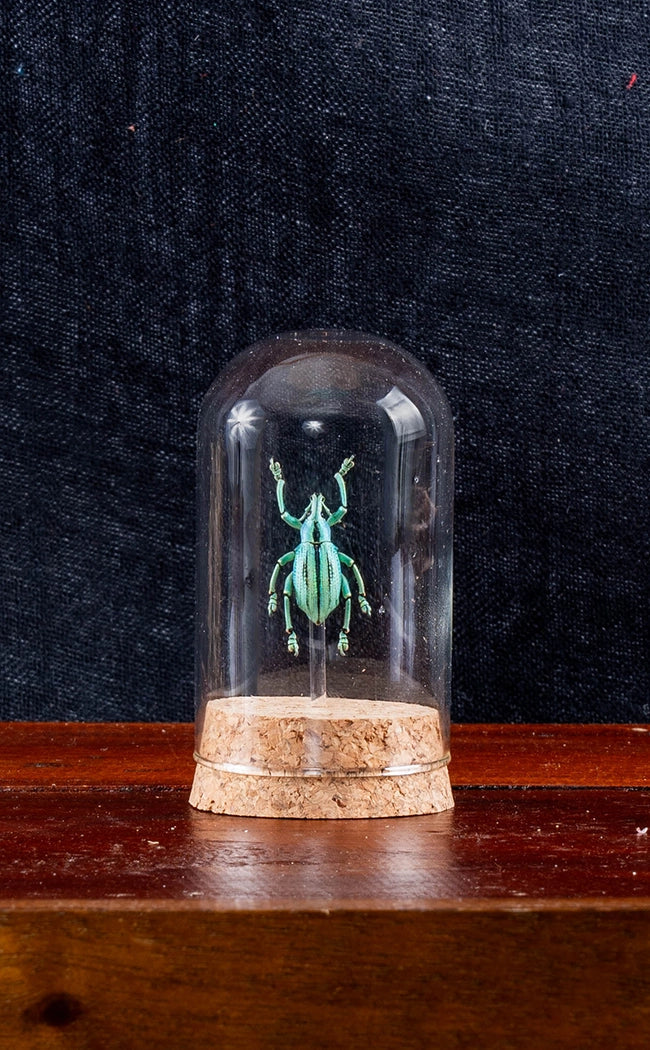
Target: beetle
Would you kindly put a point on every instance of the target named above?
(316, 578)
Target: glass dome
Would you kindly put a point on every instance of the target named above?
(324, 582)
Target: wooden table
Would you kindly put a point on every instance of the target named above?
(520, 919)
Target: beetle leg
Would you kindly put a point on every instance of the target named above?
(273, 598)
(345, 559)
(343, 645)
(339, 514)
(292, 641)
(276, 471)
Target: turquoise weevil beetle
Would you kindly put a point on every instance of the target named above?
(316, 577)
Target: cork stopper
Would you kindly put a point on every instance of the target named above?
(334, 757)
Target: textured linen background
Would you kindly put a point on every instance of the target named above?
(470, 179)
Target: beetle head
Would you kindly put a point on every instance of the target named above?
(316, 503)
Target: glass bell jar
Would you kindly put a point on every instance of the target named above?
(324, 582)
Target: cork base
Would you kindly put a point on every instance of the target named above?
(291, 757)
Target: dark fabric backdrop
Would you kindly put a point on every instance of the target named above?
(470, 179)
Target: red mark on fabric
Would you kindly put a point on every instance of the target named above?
(131, 127)
(631, 82)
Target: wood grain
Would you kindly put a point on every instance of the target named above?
(98, 979)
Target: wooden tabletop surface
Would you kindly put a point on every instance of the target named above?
(544, 862)
(72, 755)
